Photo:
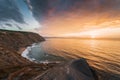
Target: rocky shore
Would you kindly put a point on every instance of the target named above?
(11, 62)
(14, 67)
(17, 39)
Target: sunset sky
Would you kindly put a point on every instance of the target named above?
(57, 18)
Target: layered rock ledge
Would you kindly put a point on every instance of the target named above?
(14, 67)
(11, 61)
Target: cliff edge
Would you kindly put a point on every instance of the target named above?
(11, 42)
(18, 39)
(14, 67)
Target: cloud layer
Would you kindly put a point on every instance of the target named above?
(69, 16)
(9, 14)
(45, 8)
(10, 11)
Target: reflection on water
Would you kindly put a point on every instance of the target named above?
(101, 54)
(36, 54)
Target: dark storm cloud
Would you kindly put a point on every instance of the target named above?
(10, 11)
(43, 8)
(38, 7)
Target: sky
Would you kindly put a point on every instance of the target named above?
(15, 15)
(63, 18)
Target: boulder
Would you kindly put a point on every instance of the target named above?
(73, 70)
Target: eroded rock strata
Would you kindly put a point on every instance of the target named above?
(17, 39)
(11, 61)
(14, 67)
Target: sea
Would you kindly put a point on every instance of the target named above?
(101, 54)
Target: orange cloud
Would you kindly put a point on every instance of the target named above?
(76, 22)
(59, 17)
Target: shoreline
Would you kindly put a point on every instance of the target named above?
(26, 51)
(26, 54)
(12, 44)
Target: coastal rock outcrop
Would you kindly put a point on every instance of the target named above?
(14, 67)
(18, 39)
(73, 70)
(10, 44)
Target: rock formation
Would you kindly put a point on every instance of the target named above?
(17, 39)
(73, 70)
(11, 60)
(14, 67)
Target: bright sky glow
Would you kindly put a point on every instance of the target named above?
(98, 33)
(73, 18)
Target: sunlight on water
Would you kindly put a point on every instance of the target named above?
(101, 54)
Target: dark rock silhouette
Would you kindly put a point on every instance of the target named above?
(74, 70)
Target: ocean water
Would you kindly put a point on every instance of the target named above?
(100, 54)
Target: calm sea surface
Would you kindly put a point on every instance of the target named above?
(101, 54)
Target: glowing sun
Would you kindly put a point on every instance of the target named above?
(93, 36)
